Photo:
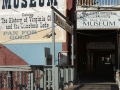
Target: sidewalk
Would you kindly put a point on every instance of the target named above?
(94, 86)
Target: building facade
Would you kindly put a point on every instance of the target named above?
(97, 25)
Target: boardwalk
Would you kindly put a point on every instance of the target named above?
(100, 79)
(99, 86)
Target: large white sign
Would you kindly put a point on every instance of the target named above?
(98, 19)
(29, 21)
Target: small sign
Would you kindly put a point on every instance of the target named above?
(62, 23)
(62, 57)
(100, 45)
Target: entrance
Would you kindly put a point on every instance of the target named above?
(97, 54)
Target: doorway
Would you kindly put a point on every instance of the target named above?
(97, 54)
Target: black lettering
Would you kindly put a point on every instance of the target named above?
(6, 4)
(49, 4)
(49, 18)
(24, 4)
(102, 23)
(105, 23)
(112, 24)
(91, 23)
(85, 23)
(41, 3)
(16, 3)
(32, 3)
(95, 23)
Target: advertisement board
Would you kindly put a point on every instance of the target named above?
(98, 19)
(29, 21)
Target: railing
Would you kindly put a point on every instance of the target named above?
(15, 78)
(98, 2)
(63, 77)
(36, 77)
(67, 76)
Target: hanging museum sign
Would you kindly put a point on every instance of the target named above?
(62, 23)
(98, 19)
(100, 45)
(29, 21)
